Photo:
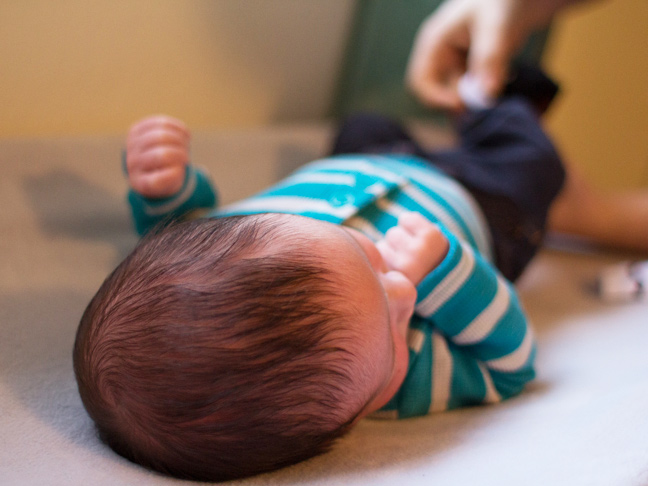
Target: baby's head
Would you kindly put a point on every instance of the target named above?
(222, 348)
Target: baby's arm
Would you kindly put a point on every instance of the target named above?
(163, 184)
(482, 346)
(480, 333)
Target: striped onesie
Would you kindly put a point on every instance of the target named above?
(469, 340)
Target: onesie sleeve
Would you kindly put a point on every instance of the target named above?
(470, 341)
(197, 192)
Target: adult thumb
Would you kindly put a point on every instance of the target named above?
(489, 56)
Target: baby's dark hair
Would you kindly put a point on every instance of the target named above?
(208, 355)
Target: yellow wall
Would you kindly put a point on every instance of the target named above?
(90, 66)
(599, 52)
(87, 66)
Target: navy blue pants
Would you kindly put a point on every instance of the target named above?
(503, 158)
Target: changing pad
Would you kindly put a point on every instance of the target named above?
(64, 225)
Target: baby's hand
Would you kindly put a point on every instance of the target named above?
(414, 247)
(157, 152)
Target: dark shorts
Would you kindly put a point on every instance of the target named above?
(503, 158)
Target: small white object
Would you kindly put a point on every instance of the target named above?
(624, 282)
(472, 94)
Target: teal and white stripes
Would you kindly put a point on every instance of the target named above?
(339, 188)
(469, 339)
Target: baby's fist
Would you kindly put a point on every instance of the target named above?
(414, 247)
(157, 152)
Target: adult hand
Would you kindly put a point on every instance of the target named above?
(477, 36)
(414, 247)
(157, 152)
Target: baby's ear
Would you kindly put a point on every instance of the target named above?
(397, 373)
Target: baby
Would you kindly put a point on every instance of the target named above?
(370, 283)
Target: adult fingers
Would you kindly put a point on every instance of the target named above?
(437, 61)
(494, 41)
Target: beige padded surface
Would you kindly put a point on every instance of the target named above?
(64, 226)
